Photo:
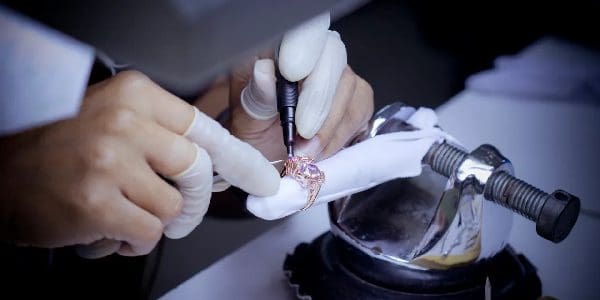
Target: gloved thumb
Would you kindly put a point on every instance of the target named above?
(313, 52)
(318, 90)
(253, 108)
(258, 98)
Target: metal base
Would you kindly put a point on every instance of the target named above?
(329, 268)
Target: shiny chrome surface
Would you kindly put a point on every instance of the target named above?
(390, 220)
(390, 118)
(482, 163)
(428, 221)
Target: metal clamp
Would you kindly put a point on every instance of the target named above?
(554, 214)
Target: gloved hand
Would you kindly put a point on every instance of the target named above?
(94, 179)
(334, 103)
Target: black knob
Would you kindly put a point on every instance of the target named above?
(558, 216)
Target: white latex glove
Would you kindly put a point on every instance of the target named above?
(358, 168)
(311, 53)
(235, 161)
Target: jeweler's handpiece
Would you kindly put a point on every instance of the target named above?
(287, 99)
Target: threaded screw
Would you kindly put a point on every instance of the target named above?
(516, 194)
(445, 158)
(555, 214)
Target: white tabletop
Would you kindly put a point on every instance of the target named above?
(551, 143)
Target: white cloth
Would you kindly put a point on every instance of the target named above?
(358, 168)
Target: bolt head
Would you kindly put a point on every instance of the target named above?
(558, 216)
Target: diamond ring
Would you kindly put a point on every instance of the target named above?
(307, 174)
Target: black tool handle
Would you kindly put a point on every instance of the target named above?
(287, 99)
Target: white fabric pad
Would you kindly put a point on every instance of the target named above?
(358, 168)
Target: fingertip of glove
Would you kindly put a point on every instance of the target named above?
(259, 208)
(178, 229)
(307, 127)
(301, 47)
(264, 179)
(270, 183)
(264, 66)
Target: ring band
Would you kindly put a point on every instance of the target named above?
(313, 192)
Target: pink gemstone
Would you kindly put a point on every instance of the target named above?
(304, 171)
(313, 170)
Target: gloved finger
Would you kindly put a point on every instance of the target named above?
(356, 116)
(258, 98)
(318, 90)
(237, 162)
(301, 48)
(241, 123)
(98, 249)
(134, 226)
(219, 184)
(344, 93)
(195, 185)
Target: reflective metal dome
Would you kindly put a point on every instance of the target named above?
(424, 222)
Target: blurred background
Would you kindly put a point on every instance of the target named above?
(417, 52)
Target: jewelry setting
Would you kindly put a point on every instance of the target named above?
(307, 174)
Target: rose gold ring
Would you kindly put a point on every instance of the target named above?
(307, 174)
